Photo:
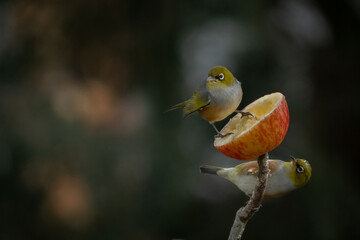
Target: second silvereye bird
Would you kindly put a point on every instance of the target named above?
(218, 96)
(283, 178)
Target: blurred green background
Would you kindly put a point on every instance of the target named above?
(86, 151)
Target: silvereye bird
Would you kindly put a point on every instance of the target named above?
(218, 96)
(284, 176)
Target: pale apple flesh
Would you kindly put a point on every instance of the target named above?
(253, 136)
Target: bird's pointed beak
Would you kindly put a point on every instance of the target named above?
(293, 160)
(211, 79)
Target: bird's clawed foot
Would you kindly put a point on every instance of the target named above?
(249, 114)
(219, 135)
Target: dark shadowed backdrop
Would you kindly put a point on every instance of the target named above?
(86, 151)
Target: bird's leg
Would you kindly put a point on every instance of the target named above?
(244, 113)
(219, 135)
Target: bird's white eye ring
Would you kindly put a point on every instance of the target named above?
(221, 76)
(299, 169)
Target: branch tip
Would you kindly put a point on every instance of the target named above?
(245, 213)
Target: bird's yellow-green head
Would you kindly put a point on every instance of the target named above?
(218, 77)
(300, 171)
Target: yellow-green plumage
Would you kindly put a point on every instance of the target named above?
(301, 179)
(192, 105)
(216, 71)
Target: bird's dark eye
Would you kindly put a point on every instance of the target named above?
(299, 169)
(221, 76)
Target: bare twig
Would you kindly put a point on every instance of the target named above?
(245, 213)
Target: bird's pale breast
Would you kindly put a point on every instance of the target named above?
(278, 184)
(223, 102)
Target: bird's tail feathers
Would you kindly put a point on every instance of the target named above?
(210, 169)
(177, 106)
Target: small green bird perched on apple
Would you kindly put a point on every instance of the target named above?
(218, 96)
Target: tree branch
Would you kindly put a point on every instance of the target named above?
(245, 213)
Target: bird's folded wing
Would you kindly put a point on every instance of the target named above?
(253, 167)
(196, 102)
(248, 168)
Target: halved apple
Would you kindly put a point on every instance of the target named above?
(252, 136)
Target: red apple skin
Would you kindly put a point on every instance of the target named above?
(262, 138)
